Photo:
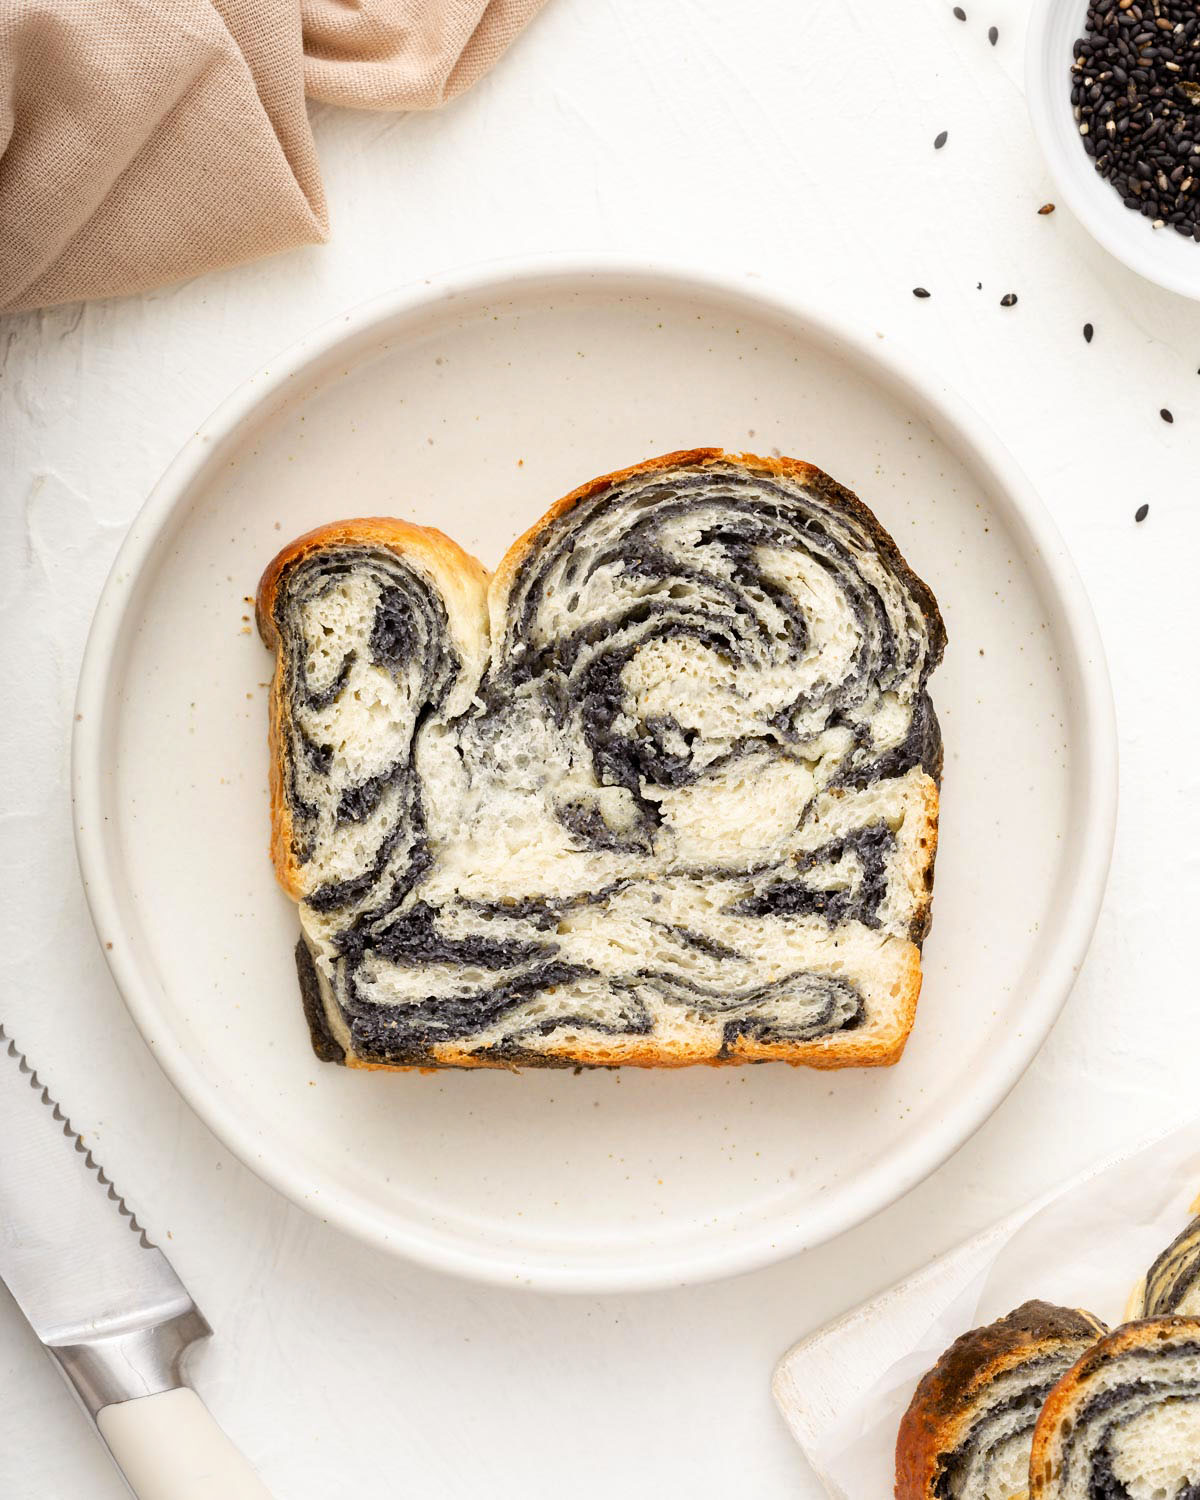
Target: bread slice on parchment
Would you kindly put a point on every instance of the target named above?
(968, 1430)
(663, 790)
(1124, 1423)
(1172, 1284)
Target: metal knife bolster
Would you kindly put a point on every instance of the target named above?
(115, 1367)
(104, 1301)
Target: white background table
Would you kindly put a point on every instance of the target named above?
(788, 136)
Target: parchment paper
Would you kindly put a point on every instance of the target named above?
(1087, 1248)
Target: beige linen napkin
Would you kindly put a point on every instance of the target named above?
(146, 140)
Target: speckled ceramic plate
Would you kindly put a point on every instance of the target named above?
(472, 401)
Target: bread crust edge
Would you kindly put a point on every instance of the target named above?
(935, 1416)
(1058, 1403)
(838, 1051)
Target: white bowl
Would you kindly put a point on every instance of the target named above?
(1160, 255)
(472, 401)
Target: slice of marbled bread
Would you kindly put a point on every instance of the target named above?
(967, 1432)
(1124, 1423)
(1172, 1284)
(664, 790)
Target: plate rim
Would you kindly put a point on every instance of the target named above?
(948, 413)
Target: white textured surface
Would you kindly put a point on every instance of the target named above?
(795, 138)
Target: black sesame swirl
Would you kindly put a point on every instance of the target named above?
(1173, 1281)
(1124, 1424)
(968, 1431)
(677, 804)
(686, 620)
(363, 634)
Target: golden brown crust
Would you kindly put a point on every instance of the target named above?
(1064, 1395)
(934, 1420)
(443, 556)
(440, 554)
(928, 841)
(405, 538)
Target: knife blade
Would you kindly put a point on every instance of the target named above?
(104, 1300)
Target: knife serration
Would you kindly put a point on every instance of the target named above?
(97, 1291)
(58, 1115)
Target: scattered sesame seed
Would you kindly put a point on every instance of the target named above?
(919, 291)
(1166, 415)
(993, 35)
(1009, 299)
(1046, 208)
(939, 140)
(960, 14)
(1141, 513)
(1088, 330)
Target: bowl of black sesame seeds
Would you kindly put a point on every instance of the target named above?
(1113, 88)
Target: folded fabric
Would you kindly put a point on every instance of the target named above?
(144, 142)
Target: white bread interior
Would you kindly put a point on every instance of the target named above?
(474, 797)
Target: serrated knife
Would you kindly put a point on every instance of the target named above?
(105, 1302)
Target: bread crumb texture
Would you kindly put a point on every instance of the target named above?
(663, 790)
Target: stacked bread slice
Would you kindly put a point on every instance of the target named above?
(1046, 1403)
(1124, 1423)
(967, 1433)
(1172, 1284)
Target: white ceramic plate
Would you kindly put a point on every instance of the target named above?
(1160, 255)
(473, 401)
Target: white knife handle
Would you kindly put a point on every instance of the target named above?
(169, 1448)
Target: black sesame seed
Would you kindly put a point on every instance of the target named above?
(1141, 513)
(1009, 299)
(919, 291)
(1166, 415)
(960, 13)
(1088, 330)
(939, 140)
(1135, 92)
(993, 35)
